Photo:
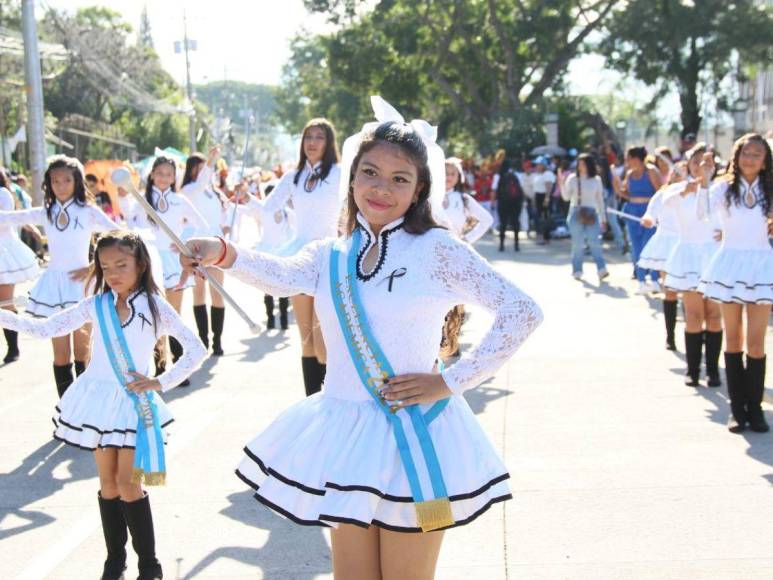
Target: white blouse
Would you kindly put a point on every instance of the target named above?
(407, 294)
(744, 226)
(457, 212)
(276, 228)
(316, 211)
(664, 215)
(692, 229)
(587, 192)
(207, 202)
(69, 232)
(177, 212)
(139, 329)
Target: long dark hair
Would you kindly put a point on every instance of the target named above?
(161, 159)
(733, 193)
(193, 161)
(418, 218)
(637, 152)
(329, 158)
(79, 193)
(5, 180)
(590, 165)
(132, 244)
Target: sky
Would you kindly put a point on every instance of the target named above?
(249, 40)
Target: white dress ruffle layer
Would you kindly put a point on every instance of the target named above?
(17, 262)
(658, 249)
(739, 275)
(326, 461)
(53, 292)
(686, 265)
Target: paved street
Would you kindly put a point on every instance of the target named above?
(618, 469)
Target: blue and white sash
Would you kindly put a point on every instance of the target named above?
(149, 461)
(410, 424)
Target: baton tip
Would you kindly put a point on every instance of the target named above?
(255, 329)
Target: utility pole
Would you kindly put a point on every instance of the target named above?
(34, 89)
(188, 45)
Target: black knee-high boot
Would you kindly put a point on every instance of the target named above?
(713, 342)
(139, 520)
(217, 314)
(80, 367)
(63, 377)
(501, 238)
(268, 300)
(284, 306)
(12, 340)
(202, 323)
(320, 373)
(309, 367)
(754, 382)
(177, 351)
(734, 374)
(669, 315)
(693, 348)
(115, 532)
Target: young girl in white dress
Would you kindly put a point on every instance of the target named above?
(180, 215)
(659, 248)
(687, 261)
(17, 264)
(313, 190)
(197, 187)
(101, 410)
(460, 207)
(389, 447)
(69, 219)
(740, 274)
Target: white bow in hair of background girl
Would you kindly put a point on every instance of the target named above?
(385, 112)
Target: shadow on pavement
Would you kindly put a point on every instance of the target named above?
(34, 480)
(266, 343)
(290, 552)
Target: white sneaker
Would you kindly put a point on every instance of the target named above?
(603, 274)
(654, 287)
(577, 275)
(643, 288)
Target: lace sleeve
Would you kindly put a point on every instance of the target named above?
(471, 279)
(281, 194)
(60, 324)
(280, 276)
(100, 222)
(22, 217)
(483, 217)
(171, 324)
(193, 217)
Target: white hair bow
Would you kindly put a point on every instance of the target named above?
(384, 112)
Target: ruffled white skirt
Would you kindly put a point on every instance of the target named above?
(326, 461)
(172, 269)
(744, 276)
(657, 251)
(53, 292)
(686, 264)
(96, 413)
(17, 262)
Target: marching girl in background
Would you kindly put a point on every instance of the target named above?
(111, 409)
(69, 218)
(178, 213)
(17, 264)
(197, 187)
(639, 185)
(740, 274)
(276, 229)
(460, 207)
(684, 266)
(657, 251)
(350, 457)
(313, 190)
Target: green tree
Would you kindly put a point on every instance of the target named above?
(688, 45)
(477, 68)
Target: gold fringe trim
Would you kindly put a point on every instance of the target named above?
(434, 514)
(152, 478)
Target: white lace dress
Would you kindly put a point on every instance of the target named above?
(742, 270)
(96, 411)
(696, 245)
(662, 243)
(17, 262)
(458, 206)
(315, 202)
(332, 457)
(69, 235)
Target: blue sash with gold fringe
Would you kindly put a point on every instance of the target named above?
(410, 424)
(149, 460)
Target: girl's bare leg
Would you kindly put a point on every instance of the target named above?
(355, 553)
(409, 556)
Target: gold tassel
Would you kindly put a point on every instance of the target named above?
(154, 478)
(434, 514)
